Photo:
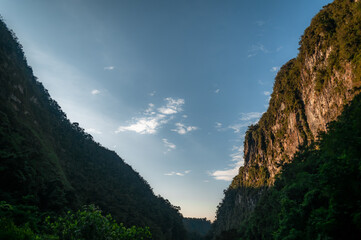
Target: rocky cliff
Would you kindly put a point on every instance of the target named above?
(309, 92)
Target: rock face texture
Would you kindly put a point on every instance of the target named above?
(309, 92)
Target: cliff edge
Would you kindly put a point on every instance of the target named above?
(309, 92)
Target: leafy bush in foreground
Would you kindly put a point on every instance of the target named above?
(85, 224)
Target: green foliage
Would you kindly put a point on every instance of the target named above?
(89, 223)
(318, 195)
(56, 162)
(329, 48)
(9, 231)
(27, 223)
(337, 26)
(321, 78)
(197, 228)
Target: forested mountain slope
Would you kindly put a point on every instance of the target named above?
(309, 92)
(197, 228)
(52, 164)
(318, 194)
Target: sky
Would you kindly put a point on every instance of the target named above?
(171, 86)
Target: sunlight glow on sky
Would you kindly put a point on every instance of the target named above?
(171, 86)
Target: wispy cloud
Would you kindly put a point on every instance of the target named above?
(260, 23)
(237, 162)
(173, 106)
(266, 93)
(238, 127)
(109, 68)
(250, 116)
(143, 126)
(245, 120)
(170, 146)
(256, 48)
(152, 93)
(93, 131)
(181, 174)
(95, 92)
(236, 156)
(275, 69)
(260, 82)
(182, 129)
(226, 175)
(217, 91)
(152, 118)
(220, 127)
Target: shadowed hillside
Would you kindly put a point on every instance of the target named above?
(52, 164)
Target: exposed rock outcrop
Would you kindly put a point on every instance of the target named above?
(309, 92)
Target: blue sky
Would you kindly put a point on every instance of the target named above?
(171, 86)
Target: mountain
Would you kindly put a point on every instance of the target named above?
(317, 195)
(52, 164)
(197, 228)
(309, 92)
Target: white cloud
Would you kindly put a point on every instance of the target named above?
(152, 118)
(170, 146)
(246, 120)
(236, 157)
(182, 129)
(152, 93)
(238, 127)
(93, 131)
(251, 116)
(226, 175)
(229, 174)
(181, 174)
(260, 82)
(147, 125)
(150, 109)
(266, 93)
(217, 91)
(275, 69)
(256, 48)
(173, 106)
(184, 116)
(95, 92)
(219, 127)
(109, 68)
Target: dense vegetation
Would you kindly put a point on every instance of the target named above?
(318, 195)
(329, 48)
(52, 165)
(336, 29)
(197, 228)
(24, 222)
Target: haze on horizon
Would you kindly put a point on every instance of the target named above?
(171, 86)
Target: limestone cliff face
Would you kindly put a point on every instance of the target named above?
(288, 125)
(309, 92)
